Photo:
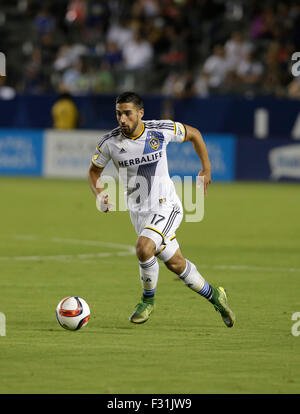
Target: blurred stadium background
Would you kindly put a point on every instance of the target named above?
(223, 66)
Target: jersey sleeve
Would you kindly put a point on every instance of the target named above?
(101, 155)
(179, 132)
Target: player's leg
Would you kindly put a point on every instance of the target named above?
(149, 242)
(189, 274)
(149, 270)
(148, 266)
(152, 229)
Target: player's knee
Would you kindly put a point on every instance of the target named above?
(145, 248)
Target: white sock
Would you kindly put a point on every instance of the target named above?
(149, 276)
(195, 281)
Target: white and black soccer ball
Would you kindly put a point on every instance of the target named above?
(73, 313)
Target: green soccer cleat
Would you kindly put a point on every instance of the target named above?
(142, 311)
(219, 300)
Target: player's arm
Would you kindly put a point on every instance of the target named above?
(96, 187)
(194, 135)
(93, 177)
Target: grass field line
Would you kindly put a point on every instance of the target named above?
(129, 250)
(94, 243)
(252, 268)
(99, 243)
(65, 257)
(84, 256)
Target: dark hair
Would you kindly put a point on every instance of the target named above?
(133, 97)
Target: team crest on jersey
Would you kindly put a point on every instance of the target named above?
(153, 142)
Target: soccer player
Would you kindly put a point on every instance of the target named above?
(139, 147)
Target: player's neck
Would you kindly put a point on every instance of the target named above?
(138, 130)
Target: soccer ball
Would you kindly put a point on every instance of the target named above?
(73, 313)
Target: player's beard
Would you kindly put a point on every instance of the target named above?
(130, 131)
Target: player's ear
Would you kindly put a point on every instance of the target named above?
(142, 112)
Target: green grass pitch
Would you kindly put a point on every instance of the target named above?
(54, 243)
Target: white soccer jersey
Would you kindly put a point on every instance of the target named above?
(143, 160)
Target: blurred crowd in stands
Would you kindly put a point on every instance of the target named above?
(179, 48)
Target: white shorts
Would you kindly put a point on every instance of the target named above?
(160, 226)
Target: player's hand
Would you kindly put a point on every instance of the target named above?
(102, 203)
(206, 174)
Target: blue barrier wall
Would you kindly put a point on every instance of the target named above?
(21, 152)
(236, 115)
(97, 112)
(54, 153)
(57, 154)
(220, 114)
(272, 159)
(184, 161)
